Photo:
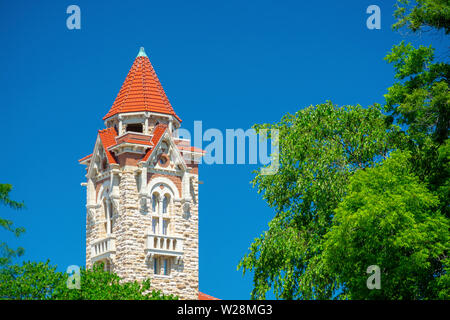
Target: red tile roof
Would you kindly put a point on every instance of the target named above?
(131, 137)
(158, 131)
(108, 138)
(141, 91)
(203, 296)
(85, 158)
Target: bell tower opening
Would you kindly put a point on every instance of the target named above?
(134, 127)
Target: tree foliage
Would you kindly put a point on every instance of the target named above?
(420, 96)
(417, 14)
(389, 218)
(420, 99)
(7, 253)
(320, 147)
(41, 281)
(340, 206)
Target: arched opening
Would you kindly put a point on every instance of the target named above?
(155, 202)
(105, 212)
(166, 202)
(108, 213)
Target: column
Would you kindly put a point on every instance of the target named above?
(108, 217)
(160, 213)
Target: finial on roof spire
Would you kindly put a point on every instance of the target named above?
(141, 52)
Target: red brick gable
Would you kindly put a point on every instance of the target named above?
(108, 138)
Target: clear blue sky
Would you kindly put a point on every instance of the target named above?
(228, 63)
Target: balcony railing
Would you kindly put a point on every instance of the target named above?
(163, 245)
(103, 248)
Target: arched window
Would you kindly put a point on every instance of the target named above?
(155, 202)
(111, 225)
(107, 209)
(166, 202)
(161, 195)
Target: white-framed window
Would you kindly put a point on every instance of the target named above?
(161, 206)
(165, 227)
(161, 266)
(155, 202)
(155, 225)
(107, 209)
(155, 266)
(166, 202)
(166, 267)
(110, 217)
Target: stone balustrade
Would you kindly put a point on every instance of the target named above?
(103, 248)
(164, 245)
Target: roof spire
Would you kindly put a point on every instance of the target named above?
(141, 91)
(141, 52)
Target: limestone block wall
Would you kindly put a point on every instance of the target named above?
(130, 228)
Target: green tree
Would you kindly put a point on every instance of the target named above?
(420, 98)
(423, 13)
(7, 253)
(314, 175)
(389, 218)
(41, 281)
(320, 147)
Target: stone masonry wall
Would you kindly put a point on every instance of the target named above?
(130, 231)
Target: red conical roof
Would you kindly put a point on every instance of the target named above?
(141, 91)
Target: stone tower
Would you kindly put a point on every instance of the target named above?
(142, 189)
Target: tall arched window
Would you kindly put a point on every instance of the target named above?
(107, 208)
(155, 202)
(111, 224)
(166, 202)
